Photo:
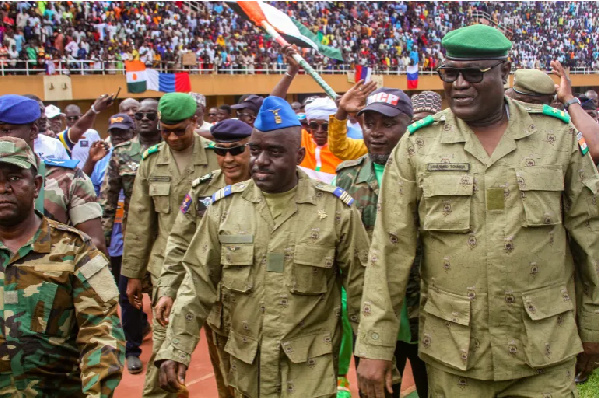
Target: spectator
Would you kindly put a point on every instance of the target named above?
(224, 112)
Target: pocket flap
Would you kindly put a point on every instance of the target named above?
(547, 302)
(314, 255)
(448, 306)
(301, 349)
(237, 254)
(158, 189)
(544, 178)
(242, 347)
(439, 184)
(236, 239)
(592, 184)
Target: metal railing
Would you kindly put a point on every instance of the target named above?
(89, 67)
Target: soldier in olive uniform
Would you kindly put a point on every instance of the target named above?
(59, 329)
(505, 198)
(384, 120)
(68, 195)
(162, 181)
(231, 147)
(275, 251)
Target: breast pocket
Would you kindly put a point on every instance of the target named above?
(160, 196)
(312, 266)
(447, 202)
(541, 189)
(237, 260)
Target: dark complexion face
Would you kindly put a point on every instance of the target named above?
(318, 128)
(212, 115)
(482, 102)
(247, 116)
(26, 132)
(147, 126)
(119, 136)
(381, 134)
(18, 189)
(274, 156)
(222, 114)
(180, 136)
(235, 168)
(72, 115)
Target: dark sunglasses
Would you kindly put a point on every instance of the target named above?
(234, 151)
(178, 133)
(73, 118)
(317, 126)
(471, 75)
(247, 115)
(149, 115)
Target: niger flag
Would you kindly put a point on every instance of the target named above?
(136, 76)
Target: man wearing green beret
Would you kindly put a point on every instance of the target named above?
(532, 86)
(505, 200)
(163, 179)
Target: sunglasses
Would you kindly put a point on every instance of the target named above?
(178, 133)
(316, 126)
(149, 115)
(471, 75)
(247, 116)
(73, 118)
(234, 151)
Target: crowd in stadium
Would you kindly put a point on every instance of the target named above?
(386, 36)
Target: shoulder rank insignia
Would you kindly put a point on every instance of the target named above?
(221, 193)
(421, 123)
(150, 151)
(583, 148)
(562, 115)
(202, 179)
(350, 163)
(209, 145)
(185, 205)
(66, 163)
(344, 196)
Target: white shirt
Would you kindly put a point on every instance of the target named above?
(81, 150)
(49, 148)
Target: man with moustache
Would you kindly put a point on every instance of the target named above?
(274, 252)
(505, 200)
(231, 147)
(162, 180)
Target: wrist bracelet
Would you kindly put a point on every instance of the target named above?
(288, 74)
(94, 110)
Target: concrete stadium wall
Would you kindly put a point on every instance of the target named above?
(218, 88)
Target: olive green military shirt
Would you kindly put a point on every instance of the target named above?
(191, 211)
(280, 286)
(158, 191)
(503, 238)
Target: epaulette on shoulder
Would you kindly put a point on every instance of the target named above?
(151, 150)
(420, 124)
(122, 145)
(550, 111)
(66, 163)
(63, 227)
(337, 191)
(204, 178)
(349, 163)
(228, 190)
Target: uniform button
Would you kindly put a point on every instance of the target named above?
(426, 340)
(547, 219)
(512, 349)
(464, 355)
(531, 308)
(509, 298)
(375, 336)
(354, 318)
(175, 340)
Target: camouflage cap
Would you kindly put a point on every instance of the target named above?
(533, 82)
(173, 108)
(17, 152)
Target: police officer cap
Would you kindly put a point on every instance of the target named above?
(17, 152)
(533, 82)
(120, 121)
(252, 102)
(230, 130)
(476, 42)
(275, 114)
(16, 109)
(173, 108)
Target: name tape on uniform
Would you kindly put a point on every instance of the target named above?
(448, 167)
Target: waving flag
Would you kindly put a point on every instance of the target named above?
(135, 73)
(412, 77)
(362, 73)
(140, 79)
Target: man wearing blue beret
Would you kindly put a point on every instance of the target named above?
(68, 195)
(504, 197)
(272, 253)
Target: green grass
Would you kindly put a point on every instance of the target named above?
(590, 388)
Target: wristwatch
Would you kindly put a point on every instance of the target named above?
(572, 101)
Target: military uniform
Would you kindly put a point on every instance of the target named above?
(502, 235)
(158, 191)
(279, 282)
(59, 333)
(120, 175)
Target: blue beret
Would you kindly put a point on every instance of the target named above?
(230, 130)
(275, 114)
(16, 109)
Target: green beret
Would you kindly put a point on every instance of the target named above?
(476, 42)
(173, 108)
(533, 82)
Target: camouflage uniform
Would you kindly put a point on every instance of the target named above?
(68, 194)
(120, 175)
(60, 334)
(280, 285)
(357, 177)
(503, 237)
(158, 191)
(192, 210)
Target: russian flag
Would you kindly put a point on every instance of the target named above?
(362, 73)
(168, 82)
(412, 77)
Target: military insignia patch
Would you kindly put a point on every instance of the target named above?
(583, 148)
(344, 196)
(202, 204)
(185, 205)
(221, 193)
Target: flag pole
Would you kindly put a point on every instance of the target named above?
(309, 69)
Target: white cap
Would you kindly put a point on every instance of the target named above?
(52, 111)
